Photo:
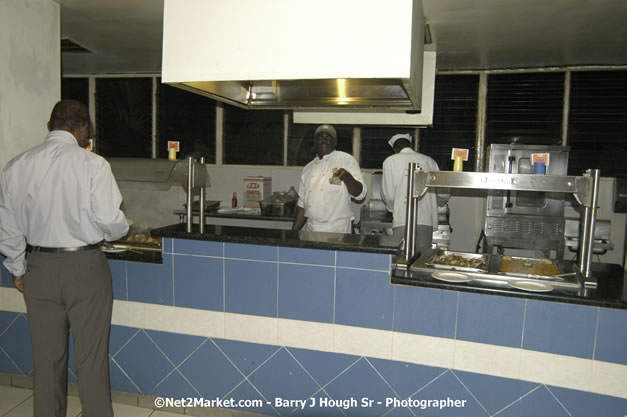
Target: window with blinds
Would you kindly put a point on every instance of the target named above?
(124, 117)
(187, 118)
(75, 89)
(374, 144)
(597, 124)
(253, 137)
(454, 120)
(527, 105)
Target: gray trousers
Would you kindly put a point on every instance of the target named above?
(63, 291)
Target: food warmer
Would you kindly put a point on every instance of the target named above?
(498, 270)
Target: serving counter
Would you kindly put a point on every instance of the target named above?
(258, 314)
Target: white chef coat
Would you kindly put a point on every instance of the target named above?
(326, 205)
(57, 194)
(394, 188)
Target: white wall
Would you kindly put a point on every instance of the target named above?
(30, 72)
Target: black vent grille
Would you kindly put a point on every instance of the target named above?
(69, 46)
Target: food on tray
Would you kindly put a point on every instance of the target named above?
(456, 260)
(143, 238)
(513, 265)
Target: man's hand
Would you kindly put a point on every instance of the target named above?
(353, 186)
(19, 283)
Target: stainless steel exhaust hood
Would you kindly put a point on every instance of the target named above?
(328, 55)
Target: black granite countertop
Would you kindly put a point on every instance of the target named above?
(237, 214)
(147, 257)
(288, 238)
(611, 291)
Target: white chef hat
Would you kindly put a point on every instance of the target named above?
(394, 138)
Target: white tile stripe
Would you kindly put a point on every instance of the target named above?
(539, 367)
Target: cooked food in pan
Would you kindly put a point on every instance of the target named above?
(456, 260)
(526, 266)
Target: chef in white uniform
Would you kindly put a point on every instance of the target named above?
(326, 187)
(394, 191)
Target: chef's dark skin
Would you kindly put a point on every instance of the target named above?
(324, 144)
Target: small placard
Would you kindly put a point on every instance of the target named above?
(173, 145)
(459, 152)
(542, 158)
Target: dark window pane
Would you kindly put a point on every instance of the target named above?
(253, 137)
(529, 104)
(597, 122)
(124, 117)
(454, 120)
(375, 147)
(75, 89)
(300, 147)
(189, 119)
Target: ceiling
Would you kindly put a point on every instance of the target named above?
(125, 35)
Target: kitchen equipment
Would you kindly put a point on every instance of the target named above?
(525, 219)
(278, 205)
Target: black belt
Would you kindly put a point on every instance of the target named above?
(30, 248)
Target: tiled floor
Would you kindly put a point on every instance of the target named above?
(18, 402)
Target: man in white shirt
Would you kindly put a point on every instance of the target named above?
(326, 187)
(58, 201)
(394, 191)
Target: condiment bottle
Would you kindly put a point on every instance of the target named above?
(234, 201)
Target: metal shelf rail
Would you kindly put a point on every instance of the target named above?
(585, 188)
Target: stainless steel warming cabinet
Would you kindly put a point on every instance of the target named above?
(584, 188)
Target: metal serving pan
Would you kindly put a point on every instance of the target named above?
(439, 260)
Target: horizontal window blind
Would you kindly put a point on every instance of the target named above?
(597, 125)
(529, 105)
(454, 120)
(187, 118)
(375, 147)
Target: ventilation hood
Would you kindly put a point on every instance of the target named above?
(350, 56)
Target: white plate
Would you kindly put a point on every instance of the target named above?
(113, 250)
(451, 276)
(532, 286)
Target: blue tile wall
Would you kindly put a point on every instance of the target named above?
(538, 403)
(323, 366)
(364, 298)
(256, 252)
(307, 256)
(150, 283)
(198, 282)
(251, 287)
(447, 385)
(245, 391)
(175, 347)
(198, 247)
(363, 260)
(208, 361)
(167, 245)
(494, 393)
(118, 279)
(585, 404)
(174, 365)
(405, 379)
(143, 362)
(306, 292)
(564, 329)
(489, 319)
(282, 377)
(246, 357)
(611, 341)
(425, 311)
(6, 279)
(15, 344)
(359, 381)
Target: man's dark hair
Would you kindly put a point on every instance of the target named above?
(69, 115)
(402, 143)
